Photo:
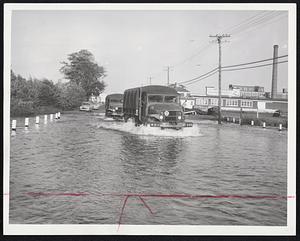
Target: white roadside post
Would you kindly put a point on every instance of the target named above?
(280, 127)
(37, 120)
(26, 122)
(58, 115)
(264, 124)
(252, 123)
(51, 117)
(45, 118)
(233, 120)
(14, 125)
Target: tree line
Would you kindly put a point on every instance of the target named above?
(38, 96)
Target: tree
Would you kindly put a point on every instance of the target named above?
(82, 70)
(71, 95)
(47, 93)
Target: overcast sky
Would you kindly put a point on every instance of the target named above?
(133, 45)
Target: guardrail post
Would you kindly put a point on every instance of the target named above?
(14, 125)
(26, 122)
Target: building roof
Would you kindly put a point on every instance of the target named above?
(179, 88)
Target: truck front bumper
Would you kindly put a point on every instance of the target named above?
(171, 125)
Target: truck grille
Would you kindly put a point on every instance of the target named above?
(172, 117)
(119, 110)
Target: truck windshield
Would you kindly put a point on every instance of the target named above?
(116, 101)
(155, 98)
(170, 99)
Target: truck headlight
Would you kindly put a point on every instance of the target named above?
(179, 117)
(166, 113)
(161, 117)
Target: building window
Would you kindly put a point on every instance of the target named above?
(202, 101)
(246, 103)
(214, 102)
(230, 102)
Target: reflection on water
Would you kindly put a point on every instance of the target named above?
(150, 160)
(79, 154)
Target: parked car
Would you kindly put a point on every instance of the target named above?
(96, 106)
(277, 113)
(86, 106)
(213, 110)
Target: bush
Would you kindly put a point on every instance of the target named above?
(21, 108)
(71, 96)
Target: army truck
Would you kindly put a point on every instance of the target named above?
(155, 106)
(114, 106)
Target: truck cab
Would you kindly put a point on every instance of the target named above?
(114, 106)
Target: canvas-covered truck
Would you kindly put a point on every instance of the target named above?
(155, 106)
(114, 106)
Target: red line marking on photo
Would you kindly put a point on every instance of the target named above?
(142, 196)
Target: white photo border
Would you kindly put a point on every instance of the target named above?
(80, 229)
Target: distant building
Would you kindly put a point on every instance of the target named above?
(96, 99)
(181, 90)
(249, 91)
(212, 91)
(236, 103)
(186, 101)
(249, 98)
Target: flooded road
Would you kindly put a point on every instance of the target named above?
(85, 153)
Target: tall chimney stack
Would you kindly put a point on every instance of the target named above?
(274, 73)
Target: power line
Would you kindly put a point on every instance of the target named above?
(260, 24)
(251, 23)
(237, 26)
(246, 21)
(199, 76)
(252, 67)
(254, 62)
(203, 78)
(213, 71)
(256, 66)
(266, 17)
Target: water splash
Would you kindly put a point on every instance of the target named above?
(130, 127)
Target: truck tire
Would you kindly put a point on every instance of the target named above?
(126, 118)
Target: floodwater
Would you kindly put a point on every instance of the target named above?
(84, 153)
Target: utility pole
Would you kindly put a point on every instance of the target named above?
(150, 78)
(168, 74)
(219, 41)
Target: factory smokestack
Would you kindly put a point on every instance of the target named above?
(274, 73)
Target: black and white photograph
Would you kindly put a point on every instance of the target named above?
(149, 119)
